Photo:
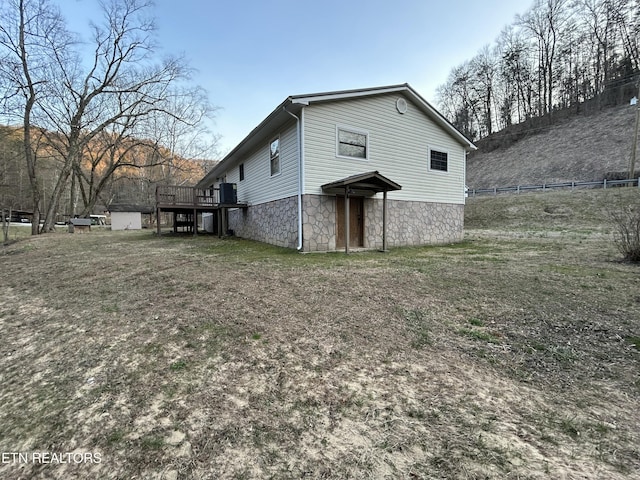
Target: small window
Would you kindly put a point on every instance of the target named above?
(274, 155)
(439, 161)
(352, 144)
(241, 171)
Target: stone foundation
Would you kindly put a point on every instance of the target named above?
(408, 223)
(274, 222)
(319, 223)
(413, 223)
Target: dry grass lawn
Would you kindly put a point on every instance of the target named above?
(513, 355)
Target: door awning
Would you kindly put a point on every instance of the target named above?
(369, 182)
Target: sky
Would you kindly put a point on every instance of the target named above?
(250, 55)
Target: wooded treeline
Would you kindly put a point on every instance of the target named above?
(560, 54)
(92, 118)
(108, 175)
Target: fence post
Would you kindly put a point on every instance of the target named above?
(604, 184)
(495, 191)
(573, 185)
(518, 190)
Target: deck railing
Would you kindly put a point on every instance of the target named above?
(172, 195)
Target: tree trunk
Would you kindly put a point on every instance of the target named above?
(33, 179)
(56, 194)
(5, 225)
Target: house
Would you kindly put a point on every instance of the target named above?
(128, 216)
(377, 166)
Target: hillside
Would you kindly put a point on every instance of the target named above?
(583, 211)
(581, 148)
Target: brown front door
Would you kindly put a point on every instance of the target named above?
(356, 222)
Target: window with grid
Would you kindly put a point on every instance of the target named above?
(439, 161)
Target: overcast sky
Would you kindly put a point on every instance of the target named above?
(252, 54)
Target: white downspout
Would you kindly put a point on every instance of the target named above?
(300, 127)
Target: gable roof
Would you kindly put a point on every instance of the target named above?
(293, 104)
(370, 181)
(130, 207)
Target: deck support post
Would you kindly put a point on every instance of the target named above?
(195, 222)
(157, 212)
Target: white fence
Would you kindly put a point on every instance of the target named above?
(552, 186)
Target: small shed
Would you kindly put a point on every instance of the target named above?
(79, 225)
(128, 216)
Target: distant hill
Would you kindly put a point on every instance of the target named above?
(578, 147)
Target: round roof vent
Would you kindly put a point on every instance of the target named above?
(401, 105)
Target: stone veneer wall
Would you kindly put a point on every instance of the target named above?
(319, 223)
(271, 222)
(408, 223)
(413, 223)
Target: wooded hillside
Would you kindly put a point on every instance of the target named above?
(558, 55)
(580, 148)
(140, 167)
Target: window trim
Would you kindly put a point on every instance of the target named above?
(241, 174)
(440, 150)
(271, 174)
(358, 131)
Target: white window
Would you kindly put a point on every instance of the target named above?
(438, 160)
(274, 155)
(352, 143)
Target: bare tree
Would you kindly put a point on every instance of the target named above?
(185, 133)
(558, 54)
(116, 95)
(32, 35)
(544, 21)
(461, 101)
(516, 75)
(484, 66)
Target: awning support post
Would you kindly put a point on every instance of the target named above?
(346, 220)
(384, 221)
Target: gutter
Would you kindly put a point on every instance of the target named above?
(300, 128)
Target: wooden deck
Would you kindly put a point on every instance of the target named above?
(169, 196)
(187, 202)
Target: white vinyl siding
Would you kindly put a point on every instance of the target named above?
(259, 186)
(398, 147)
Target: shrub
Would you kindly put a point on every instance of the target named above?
(627, 232)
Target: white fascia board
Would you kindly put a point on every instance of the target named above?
(342, 95)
